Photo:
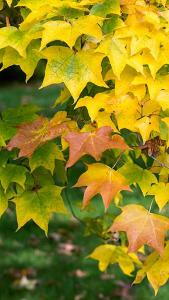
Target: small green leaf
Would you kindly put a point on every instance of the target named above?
(111, 24)
(5, 156)
(135, 174)
(6, 132)
(45, 156)
(21, 114)
(42, 177)
(105, 8)
(12, 173)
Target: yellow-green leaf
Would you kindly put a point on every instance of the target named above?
(3, 201)
(27, 64)
(17, 39)
(74, 69)
(106, 7)
(135, 174)
(161, 193)
(12, 173)
(1, 4)
(39, 205)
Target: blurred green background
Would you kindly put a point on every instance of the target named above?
(33, 267)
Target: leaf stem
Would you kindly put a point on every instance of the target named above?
(151, 205)
(118, 160)
(7, 21)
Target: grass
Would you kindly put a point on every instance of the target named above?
(22, 94)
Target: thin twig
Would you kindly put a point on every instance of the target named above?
(71, 209)
(161, 164)
(151, 205)
(118, 160)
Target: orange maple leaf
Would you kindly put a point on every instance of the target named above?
(142, 227)
(101, 179)
(31, 135)
(92, 143)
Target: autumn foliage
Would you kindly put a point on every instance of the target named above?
(110, 59)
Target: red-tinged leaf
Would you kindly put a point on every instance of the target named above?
(31, 135)
(101, 179)
(142, 227)
(92, 143)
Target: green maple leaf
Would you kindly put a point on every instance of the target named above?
(18, 115)
(74, 69)
(45, 156)
(112, 24)
(38, 205)
(6, 132)
(135, 174)
(12, 173)
(105, 8)
(5, 156)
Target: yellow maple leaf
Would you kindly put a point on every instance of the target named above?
(9, 2)
(63, 97)
(146, 125)
(35, 16)
(161, 193)
(93, 105)
(163, 99)
(17, 39)
(116, 51)
(74, 69)
(111, 254)
(156, 268)
(70, 31)
(104, 119)
(126, 118)
(37, 4)
(27, 64)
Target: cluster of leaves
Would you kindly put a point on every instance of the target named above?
(112, 61)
